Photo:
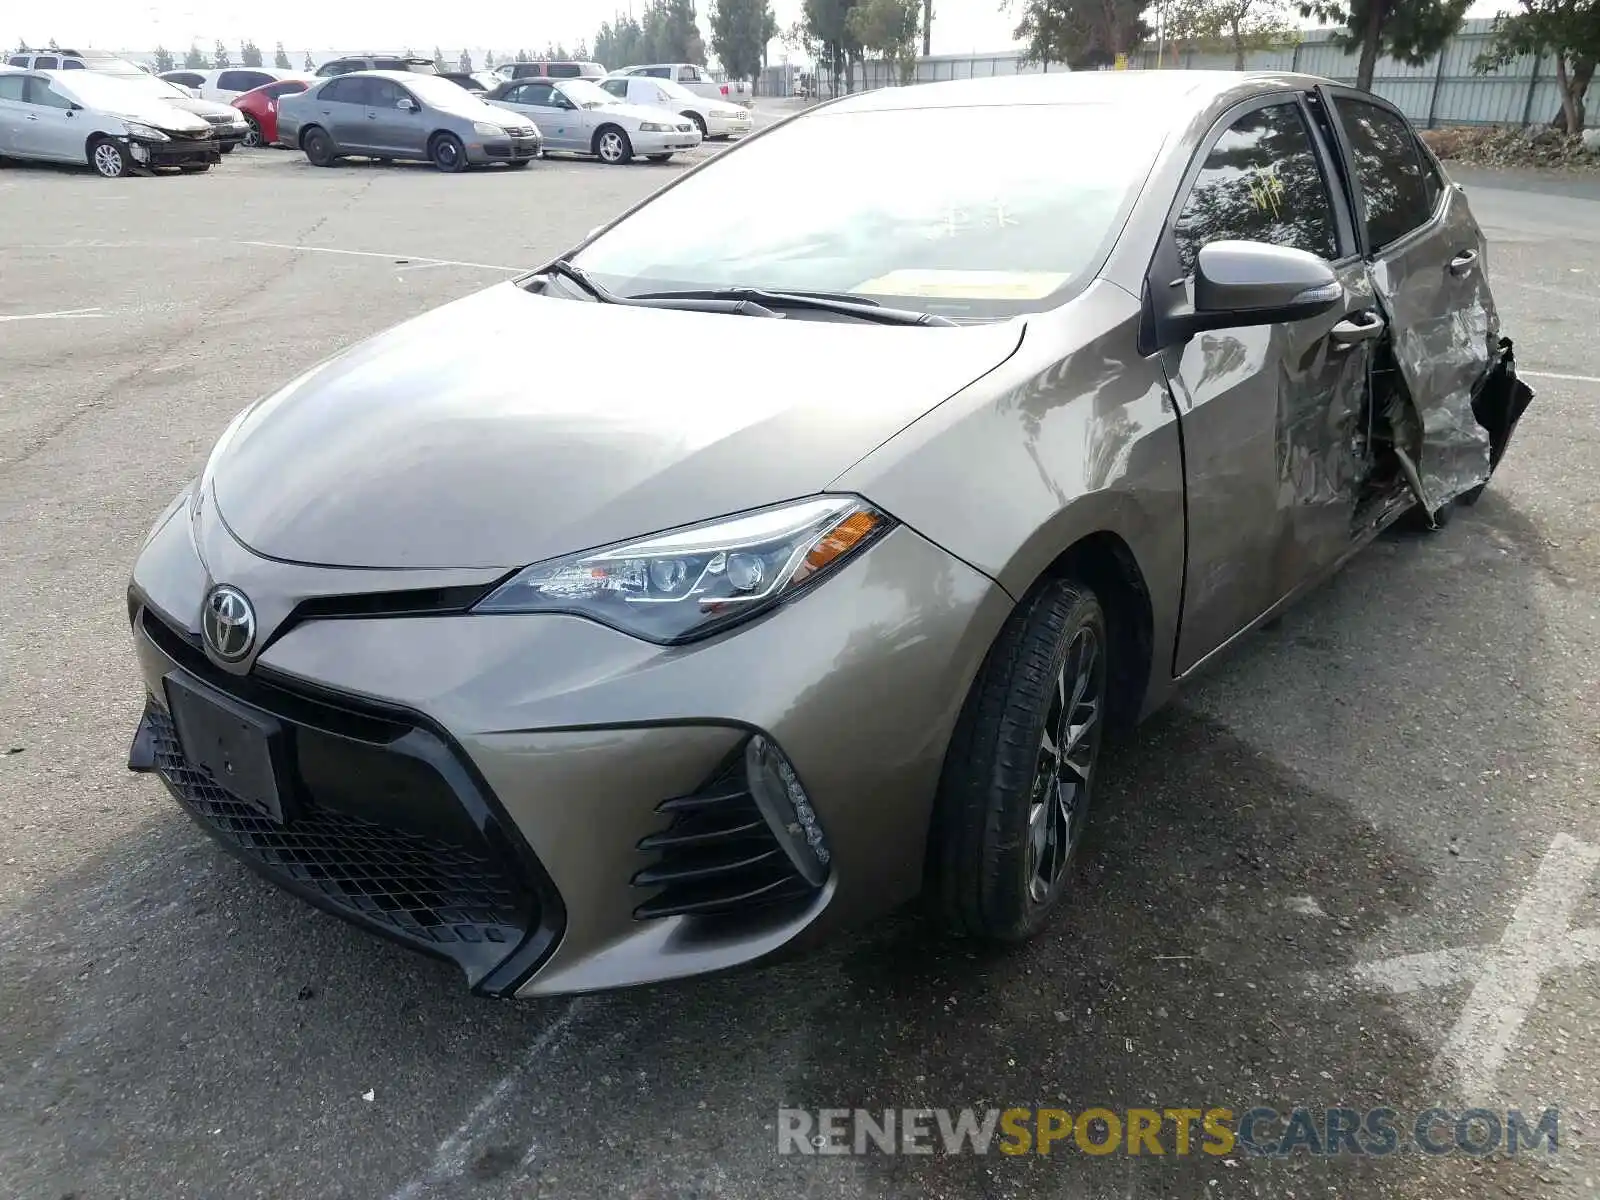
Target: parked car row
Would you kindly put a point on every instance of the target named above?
(118, 117)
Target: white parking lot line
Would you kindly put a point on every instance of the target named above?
(68, 314)
(403, 259)
(1506, 978)
(1555, 375)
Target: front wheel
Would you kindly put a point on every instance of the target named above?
(109, 159)
(1019, 773)
(612, 146)
(699, 123)
(252, 133)
(447, 153)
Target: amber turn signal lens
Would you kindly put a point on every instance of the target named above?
(837, 542)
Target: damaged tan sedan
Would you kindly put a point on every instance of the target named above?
(1027, 397)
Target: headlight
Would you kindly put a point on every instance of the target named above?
(691, 582)
(652, 127)
(484, 129)
(148, 132)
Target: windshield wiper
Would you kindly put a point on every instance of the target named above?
(741, 306)
(850, 306)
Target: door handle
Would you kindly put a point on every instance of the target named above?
(372, 116)
(31, 117)
(1463, 263)
(1358, 327)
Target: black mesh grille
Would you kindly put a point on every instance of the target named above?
(447, 897)
(717, 856)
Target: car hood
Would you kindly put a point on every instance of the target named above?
(203, 108)
(161, 114)
(509, 427)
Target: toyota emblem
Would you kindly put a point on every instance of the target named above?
(228, 623)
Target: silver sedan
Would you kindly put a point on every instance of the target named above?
(580, 117)
(394, 114)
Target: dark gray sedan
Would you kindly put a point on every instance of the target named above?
(403, 115)
(636, 674)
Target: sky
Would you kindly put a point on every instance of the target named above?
(959, 26)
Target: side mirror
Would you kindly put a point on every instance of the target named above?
(406, 104)
(1256, 283)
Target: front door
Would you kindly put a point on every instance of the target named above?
(402, 132)
(1429, 267)
(49, 128)
(13, 112)
(560, 127)
(1271, 415)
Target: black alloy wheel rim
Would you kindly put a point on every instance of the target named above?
(1068, 749)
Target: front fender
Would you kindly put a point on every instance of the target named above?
(1074, 435)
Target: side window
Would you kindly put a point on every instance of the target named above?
(11, 87)
(381, 93)
(17, 60)
(537, 93)
(688, 75)
(287, 88)
(41, 93)
(657, 72)
(617, 87)
(232, 81)
(563, 71)
(45, 62)
(1389, 169)
(71, 64)
(342, 91)
(1261, 182)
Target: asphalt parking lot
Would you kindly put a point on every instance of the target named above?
(1355, 865)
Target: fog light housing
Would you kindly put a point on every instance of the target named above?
(783, 802)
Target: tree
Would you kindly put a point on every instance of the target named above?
(281, 59)
(310, 66)
(249, 54)
(195, 59)
(51, 45)
(1238, 25)
(163, 62)
(580, 52)
(827, 22)
(927, 28)
(219, 57)
(621, 43)
(1565, 30)
(438, 59)
(488, 60)
(1084, 34)
(464, 63)
(890, 28)
(1412, 31)
(740, 31)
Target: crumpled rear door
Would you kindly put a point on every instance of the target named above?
(1429, 264)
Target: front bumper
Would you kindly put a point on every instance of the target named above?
(574, 753)
(493, 150)
(673, 142)
(177, 152)
(720, 127)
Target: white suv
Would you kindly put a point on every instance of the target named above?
(74, 60)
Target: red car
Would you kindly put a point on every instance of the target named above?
(260, 108)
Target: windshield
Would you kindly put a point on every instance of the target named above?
(975, 212)
(162, 88)
(115, 92)
(443, 93)
(675, 91)
(585, 94)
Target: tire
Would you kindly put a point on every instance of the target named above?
(520, 164)
(659, 157)
(1005, 835)
(194, 168)
(699, 123)
(109, 159)
(227, 148)
(319, 147)
(446, 152)
(612, 147)
(252, 135)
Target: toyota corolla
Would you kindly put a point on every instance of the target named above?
(591, 685)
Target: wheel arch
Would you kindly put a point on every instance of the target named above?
(1106, 563)
(305, 131)
(594, 142)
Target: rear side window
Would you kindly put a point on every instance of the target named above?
(688, 75)
(1395, 187)
(1261, 182)
(45, 62)
(657, 72)
(11, 87)
(72, 64)
(564, 71)
(242, 81)
(617, 87)
(344, 91)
